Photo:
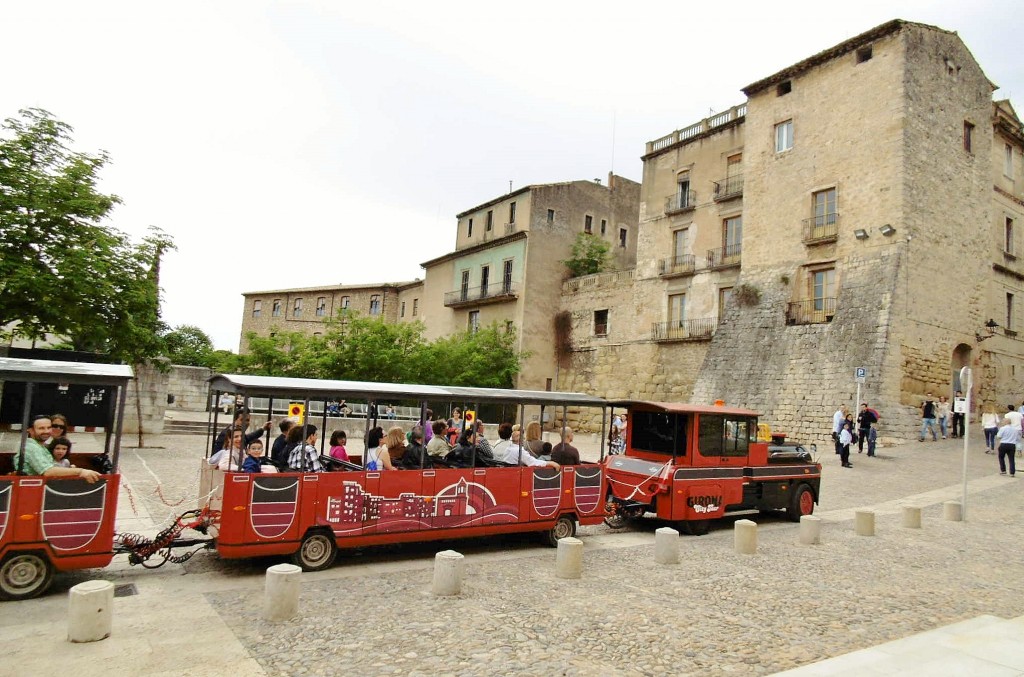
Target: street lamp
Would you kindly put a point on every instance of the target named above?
(990, 327)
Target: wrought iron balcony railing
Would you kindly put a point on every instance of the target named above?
(723, 257)
(680, 202)
(729, 187)
(492, 293)
(811, 311)
(685, 330)
(677, 265)
(821, 228)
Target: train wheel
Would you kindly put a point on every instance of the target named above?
(317, 551)
(565, 527)
(24, 575)
(802, 503)
(696, 527)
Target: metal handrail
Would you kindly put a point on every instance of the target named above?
(680, 202)
(821, 227)
(684, 330)
(811, 311)
(724, 256)
(498, 290)
(677, 265)
(730, 186)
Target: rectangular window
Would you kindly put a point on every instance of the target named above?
(1008, 242)
(680, 244)
(547, 384)
(1008, 161)
(683, 191)
(784, 88)
(676, 310)
(375, 304)
(622, 237)
(724, 296)
(508, 326)
(415, 307)
(506, 278)
(726, 436)
(823, 289)
(783, 136)
(1009, 313)
(297, 308)
(321, 306)
(490, 220)
(864, 54)
(512, 213)
(485, 280)
(658, 432)
(345, 301)
(551, 216)
(601, 322)
(968, 136)
(604, 226)
(464, 286)
(257, 308)
(588, 224)
(401, 311)
(474, 321)
(732, 236)
(824, 206)
(469, 229)
(275, 309)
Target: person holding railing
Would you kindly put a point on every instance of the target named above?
(36, 459)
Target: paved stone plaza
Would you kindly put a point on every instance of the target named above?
(715, 613)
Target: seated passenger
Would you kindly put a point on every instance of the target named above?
(563, 452)
(396, 444)
(416, 456)
(61, 449)
(377, 457)
(34, 459)
(279, 452)
(508, 450)
(304, 457)
(483, 446)
(227, 457)
(464, 452)
(338, 440)
(58, 428)
(545, 451)
(533, 439)
(438, 445)
(254, 460)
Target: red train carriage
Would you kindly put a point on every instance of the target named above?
(692, 463)
(61, 524)
(311, 515)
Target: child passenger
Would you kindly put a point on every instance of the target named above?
(254, 457)
(61, 449)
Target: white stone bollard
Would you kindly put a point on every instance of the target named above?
(449, 570)
(90, 611)
(911, 517)
(569, 559)
(951, 511)
(864, 522)
(810, 530)
(745, 537)
(281, 592)
(666, 546)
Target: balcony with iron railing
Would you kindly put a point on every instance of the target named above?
(477, 296)
(685, 330)
(677, 266)
(811, 311)
(729, 187)
(724, 257)
(821, 229)
(682, 201)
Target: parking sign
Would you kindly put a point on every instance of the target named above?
(861, 374)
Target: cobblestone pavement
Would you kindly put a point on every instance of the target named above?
(715, 613)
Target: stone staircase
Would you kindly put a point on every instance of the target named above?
(184, 427)
(981, 646)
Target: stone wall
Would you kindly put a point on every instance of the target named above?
(189, 387)
(149, 387)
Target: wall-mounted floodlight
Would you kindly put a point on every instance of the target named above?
(860, 234)
(886, 230)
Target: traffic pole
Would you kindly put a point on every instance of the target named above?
(965, 377)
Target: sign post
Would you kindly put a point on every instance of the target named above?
(860, 375)
(963, 406)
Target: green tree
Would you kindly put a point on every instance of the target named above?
(189, 345)
(589, 255)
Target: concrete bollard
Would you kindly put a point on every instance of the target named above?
(951, 511)
(90, 611)
(569, 560)
(864, 522)
(745, 537)
(911, 517)
(666, 546)
(810, 530)
(281, 592)
(449, 570)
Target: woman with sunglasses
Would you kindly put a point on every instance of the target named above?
(59, 428)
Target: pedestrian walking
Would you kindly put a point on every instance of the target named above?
(928, 418)
(838, 419)
(942, 415)
(990, 424)
(958, 418)
(1009, 437)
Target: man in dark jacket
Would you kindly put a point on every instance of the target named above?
(864, 420)
(416, 455)
(241, 422)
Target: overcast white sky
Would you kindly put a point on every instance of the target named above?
(288, 144)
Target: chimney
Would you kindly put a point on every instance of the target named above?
(611, 181)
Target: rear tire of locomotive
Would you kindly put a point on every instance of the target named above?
(696, 527)
(565, 527)
(24, 575)
(316, 552)
(801, 503)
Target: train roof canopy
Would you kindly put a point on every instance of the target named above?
(54, 371)
(280, 386)
(681, 408)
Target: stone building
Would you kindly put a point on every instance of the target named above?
(857, 211)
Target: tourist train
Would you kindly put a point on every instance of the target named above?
(686, 464)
